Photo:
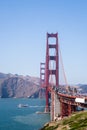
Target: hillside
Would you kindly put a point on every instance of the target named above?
(78, 121)
(18, 86)
(14, 85)
(83, 88)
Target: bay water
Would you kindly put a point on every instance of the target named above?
(25, 118)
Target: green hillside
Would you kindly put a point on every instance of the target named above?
(77, 121)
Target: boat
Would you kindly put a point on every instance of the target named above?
(22, 105)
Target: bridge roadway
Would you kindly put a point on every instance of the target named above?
(65, 104)
(71, 100)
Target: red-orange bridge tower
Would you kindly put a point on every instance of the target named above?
(50, 69)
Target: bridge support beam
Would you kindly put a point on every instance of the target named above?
(55, 106)
(64, 109)
(67, 109)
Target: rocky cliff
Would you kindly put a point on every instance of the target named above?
(18, 86)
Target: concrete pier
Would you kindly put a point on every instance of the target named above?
(55, 106)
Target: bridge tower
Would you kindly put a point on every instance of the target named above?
(42, 79)
(53, 58)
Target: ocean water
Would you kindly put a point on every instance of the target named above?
(25, 118)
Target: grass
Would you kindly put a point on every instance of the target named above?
(50, 126)
(77, 121)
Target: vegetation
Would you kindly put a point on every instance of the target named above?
(77, 121)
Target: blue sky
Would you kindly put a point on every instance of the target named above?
(23, 28)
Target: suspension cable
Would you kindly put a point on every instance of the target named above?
(61, 60)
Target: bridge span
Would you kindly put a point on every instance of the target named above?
(65, 105)
(59, 100)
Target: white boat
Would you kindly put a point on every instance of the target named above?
(22, 105)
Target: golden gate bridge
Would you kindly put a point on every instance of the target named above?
(64, 99)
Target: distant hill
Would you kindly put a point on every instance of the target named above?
(18, 86)
(82, 88)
